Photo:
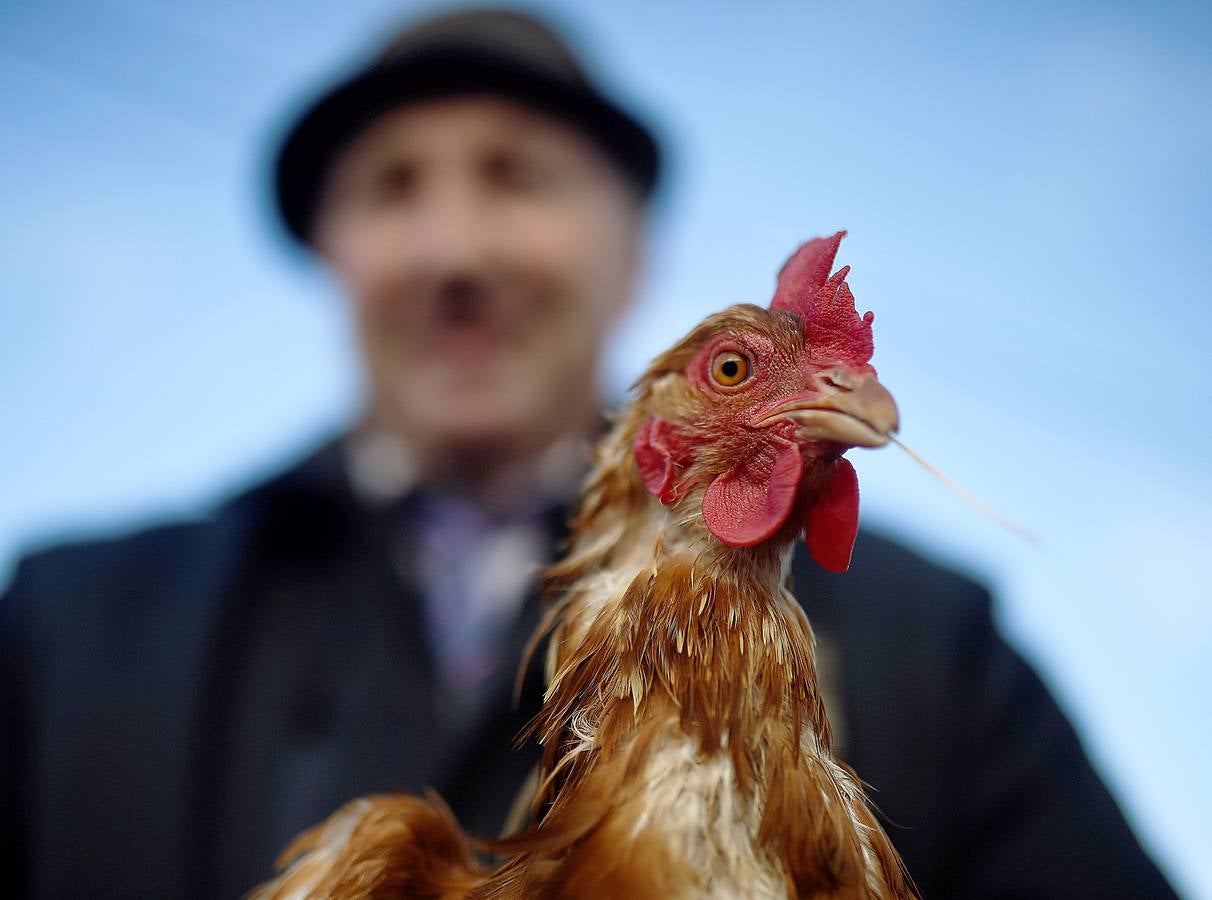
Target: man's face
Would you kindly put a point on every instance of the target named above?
(486, 250)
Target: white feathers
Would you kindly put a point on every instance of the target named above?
(697, 802)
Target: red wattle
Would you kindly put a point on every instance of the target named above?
(751, 501)
(832, 522)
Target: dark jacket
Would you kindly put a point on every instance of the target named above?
(177, 704)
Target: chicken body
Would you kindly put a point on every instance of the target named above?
(686, 747)
(688, 751)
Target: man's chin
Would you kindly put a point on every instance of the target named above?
(489, 428)
(488, 439)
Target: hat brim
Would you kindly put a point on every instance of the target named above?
(338, 116)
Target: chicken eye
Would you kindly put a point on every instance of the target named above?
(729, 368)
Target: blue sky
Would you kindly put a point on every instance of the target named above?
(1029, 198)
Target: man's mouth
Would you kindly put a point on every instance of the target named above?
(469, 324)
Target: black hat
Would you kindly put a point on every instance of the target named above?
(496, 50)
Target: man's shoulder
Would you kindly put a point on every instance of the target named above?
(154, 560)
(891, 587)
(130, 554)
(76, 595)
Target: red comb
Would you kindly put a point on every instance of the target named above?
(832, 326)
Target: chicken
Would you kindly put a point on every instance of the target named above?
(686, 745)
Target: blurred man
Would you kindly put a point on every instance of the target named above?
(176, 705)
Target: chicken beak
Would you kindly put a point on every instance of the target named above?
(849, 408)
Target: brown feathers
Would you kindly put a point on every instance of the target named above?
(389, 846)
(686, 751)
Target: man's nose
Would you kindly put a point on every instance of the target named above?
(451, 237)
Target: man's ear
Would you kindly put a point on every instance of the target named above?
(634, 220)
(325, 232)
(329, 234)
